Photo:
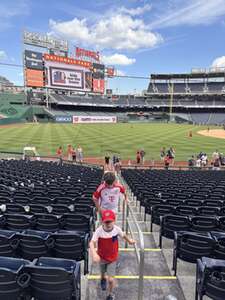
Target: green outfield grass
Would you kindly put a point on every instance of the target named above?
(99, 139)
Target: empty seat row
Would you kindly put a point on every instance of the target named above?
(45, 278)
(25, 200)
(158, 211)
(179, 202)
(156, 186)
(55, 209)
(169, 224)
(190, 246)
(47, 222)
(20, 178)
(31, 244)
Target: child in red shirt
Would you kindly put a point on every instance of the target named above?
(105, 239)
(138, 157)
(59, 152)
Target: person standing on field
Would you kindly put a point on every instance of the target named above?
(70, 152)
(79, 154)
(163, 153)
(138, 157)
(171, 155)
(74, 154)
(107, 163)
(59, 153)
(142, 155)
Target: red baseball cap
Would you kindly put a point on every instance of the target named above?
(108, 215)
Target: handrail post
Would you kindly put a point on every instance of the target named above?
(127, 211)
(123, 215)
(141, 269)
(127, 215)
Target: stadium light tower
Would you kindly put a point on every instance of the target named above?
(171, 89)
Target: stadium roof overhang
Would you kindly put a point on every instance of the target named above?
(187, 76)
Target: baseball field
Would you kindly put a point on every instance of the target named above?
(100, 139)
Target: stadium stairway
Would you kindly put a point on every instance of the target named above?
(159, 282)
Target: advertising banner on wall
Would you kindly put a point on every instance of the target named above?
(110, 71)
(67, 60)
(33, 60)
(94, 119)
(34, 78)
(98, 86)
(80, 52)
(64, 119)
(63, 76)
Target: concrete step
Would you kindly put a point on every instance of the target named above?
(160, 285)
(128, 289)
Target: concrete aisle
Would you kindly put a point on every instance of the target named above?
(157, 287)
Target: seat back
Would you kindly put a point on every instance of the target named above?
(60, 209)
(184, 210)
(171, 223)
(14, 208)
(9, 242)
(47, 222)
(205, 224)
(208, 211)
(211, 278)
(54, 279)
(34, 244)
(19, 222)
(69, 245)
(76, 222)
(11, 278)
(191, 246)
(38, 209)
(160, 210)
(219, 250)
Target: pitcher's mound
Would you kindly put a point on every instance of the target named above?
(216, 133)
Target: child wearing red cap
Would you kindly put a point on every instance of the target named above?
(105, 239)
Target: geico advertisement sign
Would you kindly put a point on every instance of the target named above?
(63, 119)
(94, 119)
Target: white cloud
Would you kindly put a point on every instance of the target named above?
(2, 55)
(120, 73)
(191, 12)
(119, 31)
(11, 9)
(118, 59)
(140, 10)
(219, 62)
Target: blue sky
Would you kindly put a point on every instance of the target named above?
(137, 37)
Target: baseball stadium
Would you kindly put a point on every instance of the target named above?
(105, 194)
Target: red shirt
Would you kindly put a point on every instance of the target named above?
(59, 151)
(107, 242)
(109, 196)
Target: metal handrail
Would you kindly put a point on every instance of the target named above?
(126, 213)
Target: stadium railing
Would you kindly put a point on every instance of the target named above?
(127, 218)
(154, 165)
